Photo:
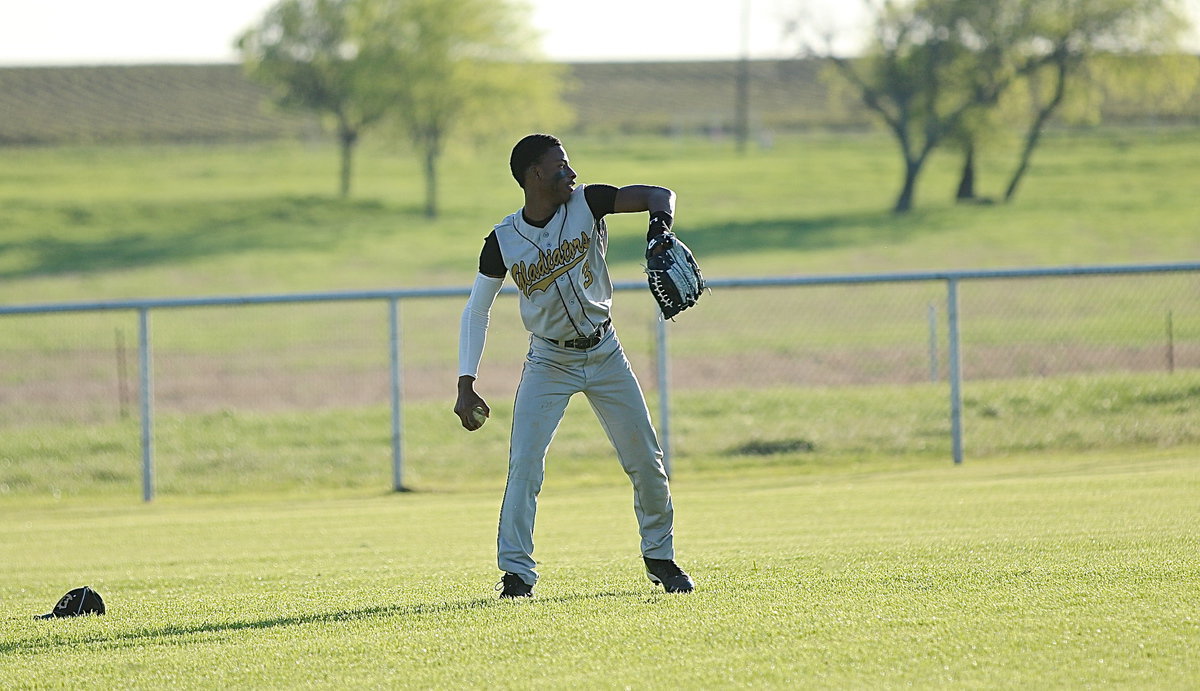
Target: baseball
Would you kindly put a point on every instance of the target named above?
(478, 415)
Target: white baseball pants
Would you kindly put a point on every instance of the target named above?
(552, 374)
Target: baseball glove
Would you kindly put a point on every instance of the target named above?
(674, 276)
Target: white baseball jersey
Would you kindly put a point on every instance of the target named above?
(560, 269)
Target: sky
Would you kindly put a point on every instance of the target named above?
(95, 32)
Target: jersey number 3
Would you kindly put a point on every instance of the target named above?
(587, 275)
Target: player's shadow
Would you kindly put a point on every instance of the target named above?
(158, 633)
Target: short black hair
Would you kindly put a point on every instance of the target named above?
(529, 151)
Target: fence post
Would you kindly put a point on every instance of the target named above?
(664, 394)
(956, 427)
(933, 345)
(122, 376)
(147, 395)
(395, 385)
(1170, 342)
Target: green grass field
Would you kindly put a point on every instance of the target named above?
(792, 430)
(167, 221)
(834, 542)
(1050, 572)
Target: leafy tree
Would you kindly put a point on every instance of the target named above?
(431, 67)
(935, 71)
(1065, 38)
(916, 76)
(986, 33)
(309, 53)
(1049, 46)
(460, 68)
(968, 138)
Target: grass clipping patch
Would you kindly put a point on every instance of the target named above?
(767, 447)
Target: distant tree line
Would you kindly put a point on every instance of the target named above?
(936, 73)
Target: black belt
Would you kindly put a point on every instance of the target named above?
(583, 342)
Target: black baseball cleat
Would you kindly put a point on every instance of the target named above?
(666, 572)
(511, 586)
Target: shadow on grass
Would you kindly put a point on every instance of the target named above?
(127, 236)
(799, 234)
(129, 638)
(118, 236)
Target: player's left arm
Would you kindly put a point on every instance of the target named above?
(659, 201)
(652, 198)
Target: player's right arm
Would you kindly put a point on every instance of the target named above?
(473, 331)
(471, 337)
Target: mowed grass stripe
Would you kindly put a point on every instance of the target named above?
(1064, 571)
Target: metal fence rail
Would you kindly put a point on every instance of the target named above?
(393, 298)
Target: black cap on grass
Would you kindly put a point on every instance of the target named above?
(78, 601)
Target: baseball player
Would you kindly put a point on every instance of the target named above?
(554, 248)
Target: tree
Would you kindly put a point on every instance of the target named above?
(935, 71)
(309, 53)
(1066, 36)
(432, 67)
(921, 79)
(1053, 44)
(986, 34)
(460, 67)
(967, 139)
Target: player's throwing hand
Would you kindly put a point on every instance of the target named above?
(471, 409)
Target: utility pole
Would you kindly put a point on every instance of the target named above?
(742, 90)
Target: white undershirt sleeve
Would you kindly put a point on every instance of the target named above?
(475, 318)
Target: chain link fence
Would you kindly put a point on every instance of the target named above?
(252, 393)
